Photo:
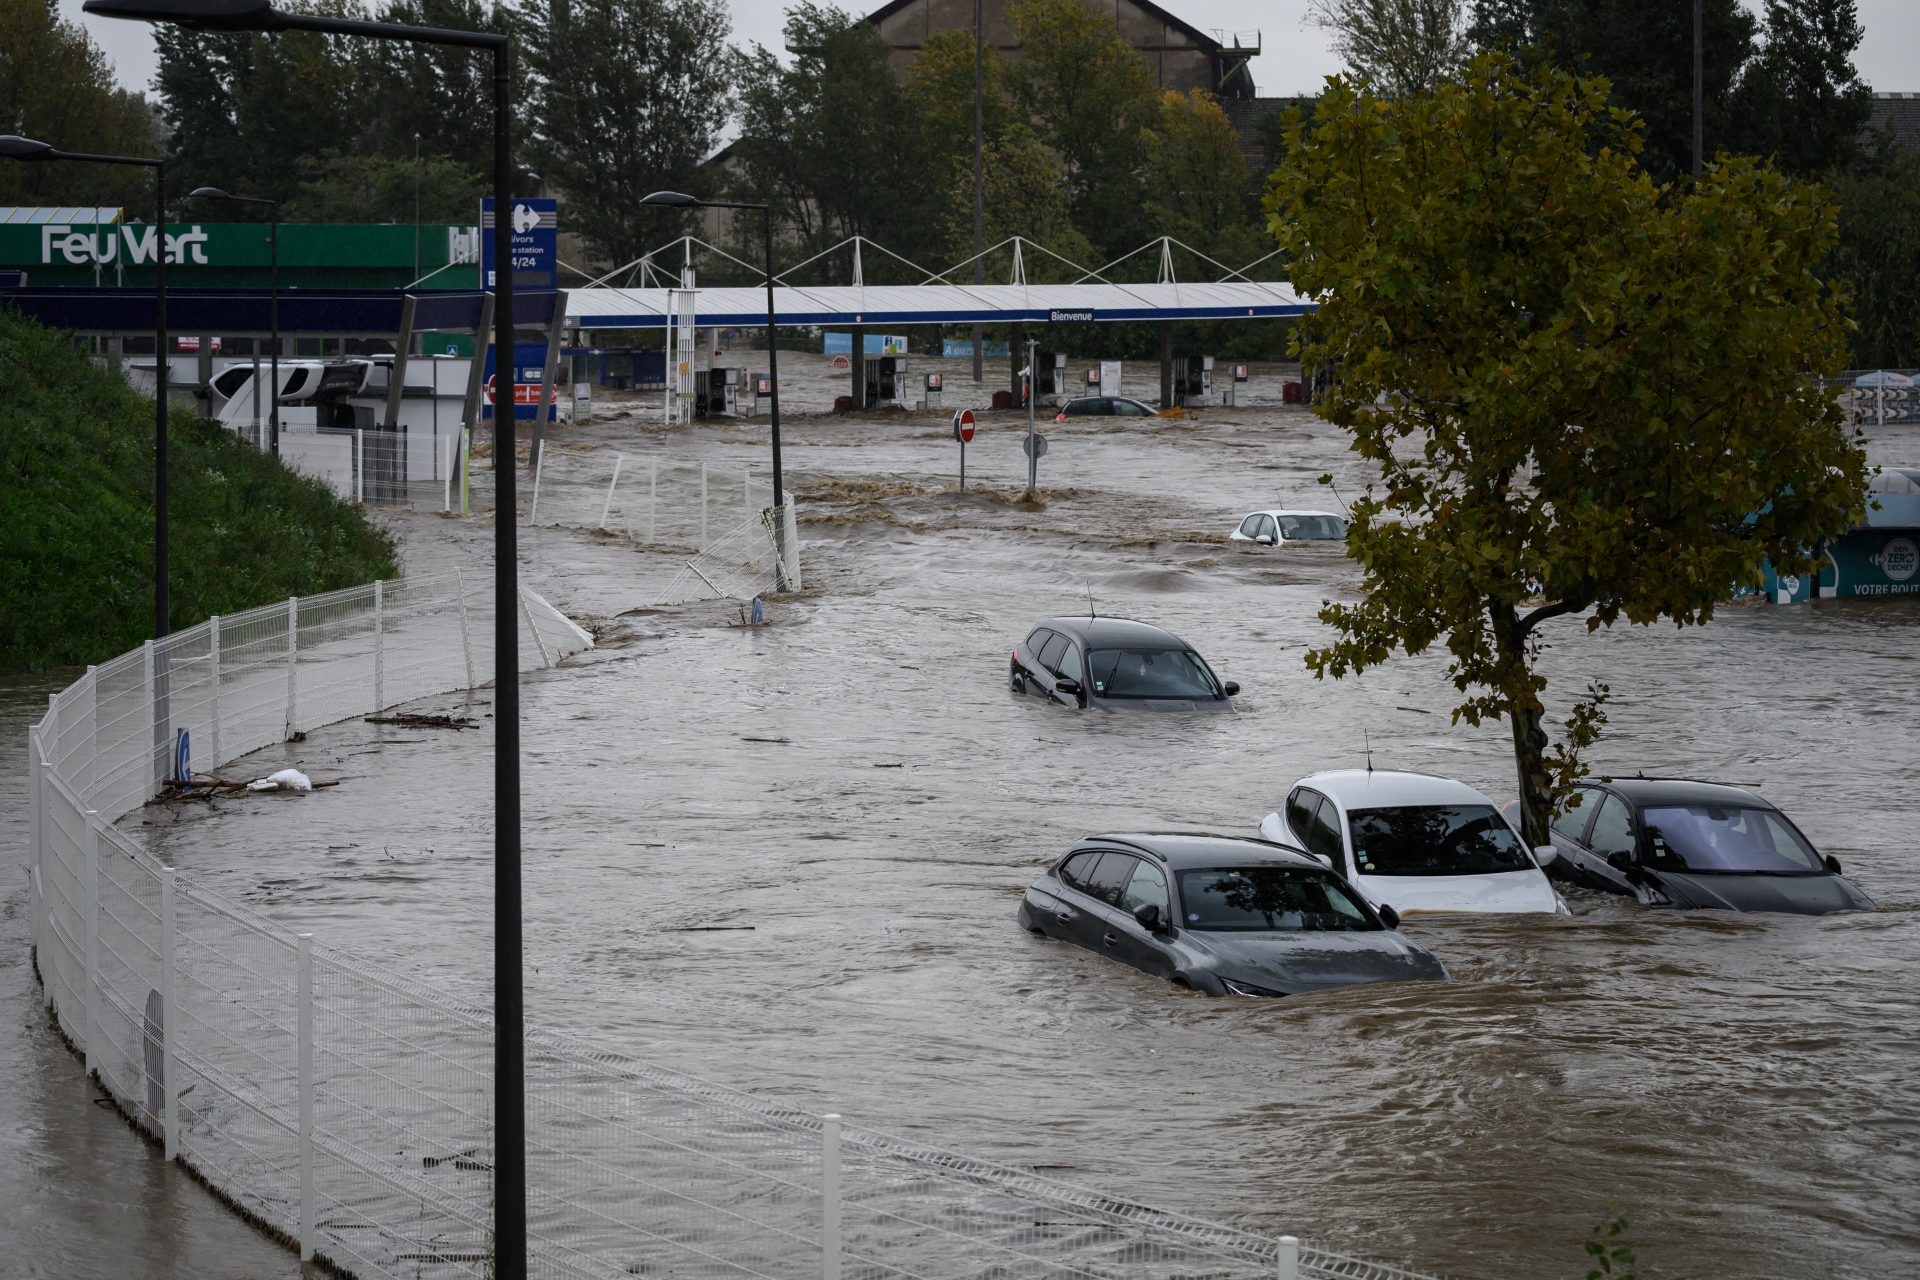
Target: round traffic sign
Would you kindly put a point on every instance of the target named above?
(963, 425)
(490, 382)
(1034, 446)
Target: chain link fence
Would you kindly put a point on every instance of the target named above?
(350, 1110)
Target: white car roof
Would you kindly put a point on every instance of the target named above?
(1361, 789)
(1291, 511)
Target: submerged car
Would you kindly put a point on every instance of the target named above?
(1104, 407)
(1222, 915)
(1272, 528)
(1675, 843)
(1113, 664)
(1421, 842)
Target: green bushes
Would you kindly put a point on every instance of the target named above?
(76, 513)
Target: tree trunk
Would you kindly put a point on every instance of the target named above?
(1524, 715)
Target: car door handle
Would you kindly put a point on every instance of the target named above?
(1064, 917)
(1109, 939)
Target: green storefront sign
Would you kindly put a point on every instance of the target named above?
(234, 255)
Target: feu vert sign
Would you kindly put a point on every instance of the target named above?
(105, 245)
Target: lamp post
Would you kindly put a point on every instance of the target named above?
(676, 200)
(509, 1047)
(273, 299)
(17, 148)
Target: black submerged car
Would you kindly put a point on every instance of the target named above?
(1115, 665)
(1222, 915)
(1673, 843)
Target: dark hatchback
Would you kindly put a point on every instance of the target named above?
(1675, 843)
(1221, 915)
(1115, 665)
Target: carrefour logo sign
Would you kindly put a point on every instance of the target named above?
(101, 246)
(1898, 559)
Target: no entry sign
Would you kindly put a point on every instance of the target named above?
(963, 426)
(523, 392)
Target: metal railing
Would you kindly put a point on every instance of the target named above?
(349, 1109)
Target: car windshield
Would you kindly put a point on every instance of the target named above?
(1150, 673)
(1434, 840)
(1269, 898)
(1312, 528)
(1717, 838)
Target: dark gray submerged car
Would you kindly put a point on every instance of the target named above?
(1675, 843)
(1112, 664)
(1222, 915)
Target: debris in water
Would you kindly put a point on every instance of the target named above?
(415, 721)
(285, 780)
(779, 741)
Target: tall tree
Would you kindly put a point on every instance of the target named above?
(55, 85)
(1644, 48)
(1401, 47)
(1581, 391)
(1197, 180)
(1091, 96)
(1025, 195)
(1877, 259)
(628, 97)
(1801, 101)
(357, 188)
(940, 89)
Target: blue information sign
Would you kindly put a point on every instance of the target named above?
(530, 365)
(535, 226)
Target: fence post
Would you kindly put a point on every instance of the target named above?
(153, 711)
(305, 995)
(446, 487)
(606, 508)
(703, 506)
(37, 804)
(93, 937)
(359, 467)
(830, 1197)
(526, 616)
(1289, 1258)
(746, 487)
(539, 464)
(93, 732)
(170, 1021)
(213, 691)
(653, 494)
(466, 637)
(293, 648)
(379, 645)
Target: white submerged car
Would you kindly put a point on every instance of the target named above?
(1415, 842)
(1277, 527)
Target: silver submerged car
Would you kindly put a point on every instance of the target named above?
(1221, 915)
(1112, 664)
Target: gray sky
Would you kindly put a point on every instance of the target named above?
(1295, 60)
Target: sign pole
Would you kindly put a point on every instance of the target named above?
(1033, 457)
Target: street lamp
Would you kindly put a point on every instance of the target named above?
(678, 200)
(17, 148)
(509, 1048)
(273, 299)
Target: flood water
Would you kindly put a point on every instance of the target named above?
(856, 795)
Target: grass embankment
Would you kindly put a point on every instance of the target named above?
(76, 513)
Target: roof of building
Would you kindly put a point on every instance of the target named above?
(1203, 39)
(1897, 115)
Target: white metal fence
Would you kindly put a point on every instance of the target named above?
(350, 1109)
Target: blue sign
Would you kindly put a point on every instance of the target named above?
(530, 360)
(535, 227)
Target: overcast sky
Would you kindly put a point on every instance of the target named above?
(1295, 60)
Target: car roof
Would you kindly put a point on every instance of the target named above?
(1096, 631)
(1363, 788)
(1660, 791)
(1293, 511)
(1185, 850)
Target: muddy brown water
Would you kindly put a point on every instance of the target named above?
(856, 784)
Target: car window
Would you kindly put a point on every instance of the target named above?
(1572, 821)
(1722, 838)
(1323, 832)
(1612, 827)
(1151, 673)
(1083, 407)
(1266, 527)
(1130, 409)
(1300, 806)
(1434, 840)
(1269, 898)
(1074, 871)
(1250, 527)
(1147, 885)
(1109, 879)
(1313, 528)
(1051, 650)
(1036, 641)
(1068, 663)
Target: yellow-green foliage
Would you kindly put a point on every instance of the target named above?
(76, 513)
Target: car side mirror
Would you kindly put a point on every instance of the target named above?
(1833, 863)
(1388, 916)
(1067, 686)
(1232, 687)
(1264, 539)
(1544, 854)
(1148, 914)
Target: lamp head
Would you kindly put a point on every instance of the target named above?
(14, 147)
(672, 199)
(208, 193)
(205, 15)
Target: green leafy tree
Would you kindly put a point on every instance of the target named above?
(1092, 97)
(1877, 259)
(1400, 47)
(1582, 392)
(628, 97)
(55, 85)
(1025, 195)
(940, 89)
(1644, 48)
(1801, 102)
(1197, 185)
(357, 188)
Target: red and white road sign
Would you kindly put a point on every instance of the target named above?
(523, 392)
(963, 426)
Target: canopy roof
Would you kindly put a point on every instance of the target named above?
(613, 308)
